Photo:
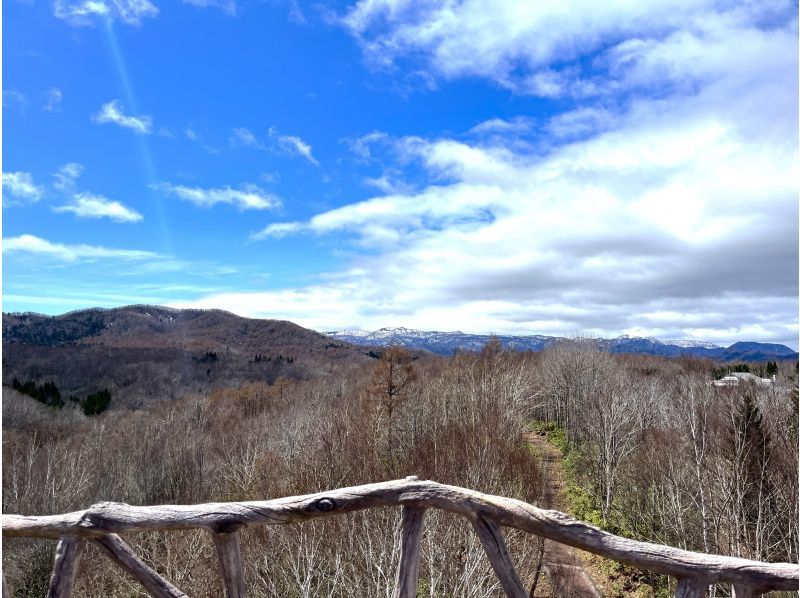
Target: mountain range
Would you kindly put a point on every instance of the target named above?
(145, 353)
(447, 343)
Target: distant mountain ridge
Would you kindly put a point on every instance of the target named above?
(151, 325)
(447, 343)
(144, 353)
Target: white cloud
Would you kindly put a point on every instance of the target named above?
(270, 177)
(285, 144)
(67, 175)
(227, 6)
(53, 100)
(194, 135)
(276, 230)
(12, 97)
(362, 146)
(71, 253)
(244, 137)
(247, 197)
(87, 12)
(388, 183)
(672, 216)
(581, 122)
(533, 47)
(88, 205)
(112, 113)
(21, 186)
(292, 145)
(296, 15)
(493, 126)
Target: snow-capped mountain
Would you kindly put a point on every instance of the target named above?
(690, 343)
(447, 343)
(443, 343)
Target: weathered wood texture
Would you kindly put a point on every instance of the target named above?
(691, 588)
(107, 518)
(122, 554)
(740, 591)
(405, 583)
(495, 546)
(229, 554)
(65, 567)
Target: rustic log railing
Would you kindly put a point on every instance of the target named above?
(102, 522)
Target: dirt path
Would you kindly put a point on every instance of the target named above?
(566, 574)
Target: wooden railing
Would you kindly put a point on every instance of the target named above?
(102, 522)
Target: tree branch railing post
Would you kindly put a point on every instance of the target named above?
(691, 588)
(230, 561)
(740, 591)
(102, 523)
(495, 548)
(124, 556)
(407, 578)
(65, 566)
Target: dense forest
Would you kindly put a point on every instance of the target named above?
(652, 450)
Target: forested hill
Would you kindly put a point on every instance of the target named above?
(149, 326)
(144, 353)
(447, 343)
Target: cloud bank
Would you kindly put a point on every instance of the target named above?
(662, 202)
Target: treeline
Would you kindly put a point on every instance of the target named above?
(261, 358)
(665, 456)
(762, 370)
(654, 451)
(48, 394)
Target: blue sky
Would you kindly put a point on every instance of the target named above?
(509, 167)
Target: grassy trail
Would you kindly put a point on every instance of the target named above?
(566, 575)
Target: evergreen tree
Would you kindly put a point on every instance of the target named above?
(97, 402)
(47, 393)
(751, 452)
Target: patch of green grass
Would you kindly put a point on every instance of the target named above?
(558, 438)
(554, 433)
(582, 505)
(540, 425)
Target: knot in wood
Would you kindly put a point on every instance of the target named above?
(325, 505)
(102, 516)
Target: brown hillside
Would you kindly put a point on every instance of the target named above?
(146, 353)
